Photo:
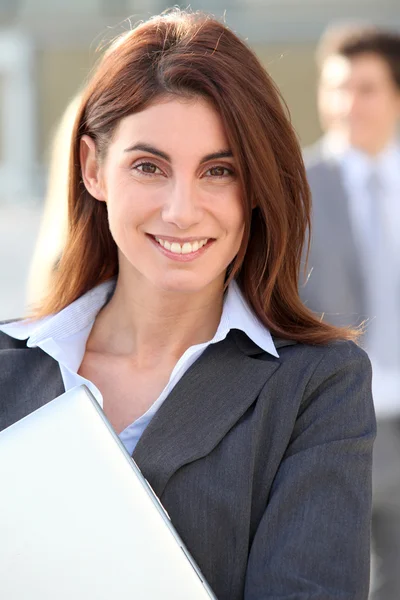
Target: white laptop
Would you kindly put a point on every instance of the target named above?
(78, 521)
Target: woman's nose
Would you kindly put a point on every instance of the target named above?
(182, 207)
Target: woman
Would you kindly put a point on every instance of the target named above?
(176, 302)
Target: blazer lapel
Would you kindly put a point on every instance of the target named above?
(207, 402)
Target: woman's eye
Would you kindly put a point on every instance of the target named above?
(219, 172)
(148, 168)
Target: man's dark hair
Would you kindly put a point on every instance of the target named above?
(353, 40)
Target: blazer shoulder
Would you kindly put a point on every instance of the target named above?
(342, 353)
(335, 354)
(315, 364)
(331, 381)
(7, 342)
(342, 377)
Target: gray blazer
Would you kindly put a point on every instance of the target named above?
(263, 464)
(336, 285)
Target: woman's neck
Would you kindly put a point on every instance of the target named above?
(155, 326)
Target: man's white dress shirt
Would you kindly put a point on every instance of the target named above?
(64, 336)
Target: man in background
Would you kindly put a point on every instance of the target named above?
(354, 263)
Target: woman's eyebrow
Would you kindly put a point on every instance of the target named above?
(143, 147)
(217, 155)
(150, 149)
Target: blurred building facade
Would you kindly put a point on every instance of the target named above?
(48, 47)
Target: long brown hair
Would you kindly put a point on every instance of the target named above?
(184, 53)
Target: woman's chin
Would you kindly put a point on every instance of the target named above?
(186, 283)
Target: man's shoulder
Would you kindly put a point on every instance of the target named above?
(312, 153)
(316, 160)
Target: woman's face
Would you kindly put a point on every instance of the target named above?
(172, 194)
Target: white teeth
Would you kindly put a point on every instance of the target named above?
(176, 248)
(185, 248)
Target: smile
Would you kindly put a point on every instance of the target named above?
(184, 248)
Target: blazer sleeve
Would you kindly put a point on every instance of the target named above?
(313, 541)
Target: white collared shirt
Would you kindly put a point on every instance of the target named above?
(355, 167)
(64, 336)
(383, 291)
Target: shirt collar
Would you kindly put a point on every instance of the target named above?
(333, 145)
(80, 314)
(239, 316)
(66, 323)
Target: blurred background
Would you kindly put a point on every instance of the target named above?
(47, 48)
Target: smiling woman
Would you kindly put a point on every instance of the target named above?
(176, 302)
(187, 204)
